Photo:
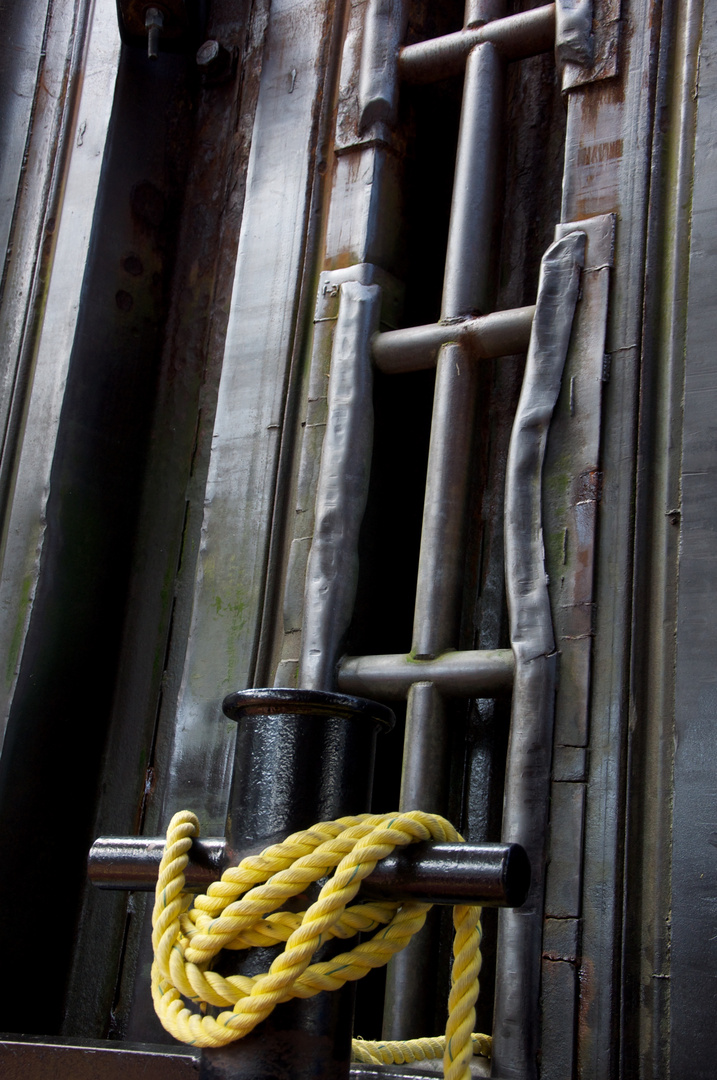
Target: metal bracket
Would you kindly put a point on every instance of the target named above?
(602, 61)
(573, 31)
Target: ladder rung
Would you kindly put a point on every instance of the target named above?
(477, 673)
(501, 333)
(516, 37)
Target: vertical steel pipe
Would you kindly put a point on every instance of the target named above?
(466, 285)
(527, 782)
(478, 12)
(301, 756)
(466, 290)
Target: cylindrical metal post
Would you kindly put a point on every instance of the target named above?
(301, 756)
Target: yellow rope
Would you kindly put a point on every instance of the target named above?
(240, 911)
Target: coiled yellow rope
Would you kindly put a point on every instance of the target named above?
(239, 911)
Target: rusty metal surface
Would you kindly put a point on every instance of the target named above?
(646, 984)
(526, 806)
(84, 1059)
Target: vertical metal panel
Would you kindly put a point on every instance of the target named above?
(647, 925)
(608, 144)
(559, 984)
(261, 336)
(24, 525)
(179, 355)
(40, 121)
(24, 29)
(242, 498)
(563, 886)
(693, 961)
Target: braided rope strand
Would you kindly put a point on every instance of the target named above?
(240, 911)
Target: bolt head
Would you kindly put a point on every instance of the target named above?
(213, 61)
(208, 54)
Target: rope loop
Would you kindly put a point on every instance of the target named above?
(242, 910)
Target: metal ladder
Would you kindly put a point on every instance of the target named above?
(433, 670)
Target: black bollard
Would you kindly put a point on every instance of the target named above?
(302, 756)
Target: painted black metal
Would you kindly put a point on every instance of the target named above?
(301, 756)
(132, 862)
(492, 875)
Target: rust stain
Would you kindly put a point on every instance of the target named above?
(586, 977)
(589, 486)
(599, 152)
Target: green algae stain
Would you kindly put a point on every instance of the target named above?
(18, 630)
